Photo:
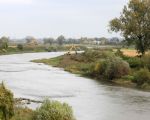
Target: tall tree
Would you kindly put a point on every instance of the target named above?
(61, 40)
(134, 24)
(48, 41)
(4, 42)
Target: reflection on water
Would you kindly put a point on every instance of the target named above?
(90, 99)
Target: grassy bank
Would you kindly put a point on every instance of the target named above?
(25, 49)
(38, 48)
(106, 66)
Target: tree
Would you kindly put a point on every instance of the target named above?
(83, 40)
(6, 103)
(48, 41)
(114, 41)
(134, 24)
(103, 40)
(20, 46)
(60, 39)
(31, 41)
(4, 42)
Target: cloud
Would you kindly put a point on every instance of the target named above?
(16, 1)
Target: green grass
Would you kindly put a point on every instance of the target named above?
(68, 62)
(53, 61)
(13, 50)
(39, 48)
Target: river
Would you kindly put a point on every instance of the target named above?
(89, 99)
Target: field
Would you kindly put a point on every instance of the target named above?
(130, 52)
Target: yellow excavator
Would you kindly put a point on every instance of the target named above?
(73, 48)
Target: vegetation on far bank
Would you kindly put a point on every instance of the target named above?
(49, 110)
(106, 65)
(31, 44)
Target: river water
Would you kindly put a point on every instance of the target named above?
(89, 99)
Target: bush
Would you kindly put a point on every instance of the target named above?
(100, 67)
(135, 62)
(6, 103)
(53, 110)
(116, 68)
(142, 76)
(22, 113)
(119, 53)
(128, 77)
(20, 46)
(97, 67)
(111, 68)
(12, 49)
(146, 60)
(87, 69)
(51, 49)
(94, 55)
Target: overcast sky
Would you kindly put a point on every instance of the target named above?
(44, 18)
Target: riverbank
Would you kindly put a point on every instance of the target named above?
(23, 49)
(36, 49)
(104, 66)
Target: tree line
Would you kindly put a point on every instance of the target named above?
(32, 41)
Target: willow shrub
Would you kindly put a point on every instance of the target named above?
(142, 77)
(100, 67)
(135, 62)
(53, 110)
(116, 68)
(146, 60)
(119, 53)
(93, 55)
(111, 68)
